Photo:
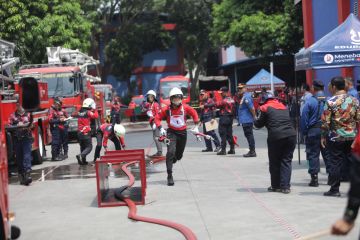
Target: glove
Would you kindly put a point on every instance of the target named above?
(123, 146)
(105, 148)
(198, 138)
(162, 132)
(195, 130)
(149, 114)
(153, 126)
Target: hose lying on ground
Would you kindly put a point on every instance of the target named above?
(188, 234)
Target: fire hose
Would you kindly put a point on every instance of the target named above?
(188, 234)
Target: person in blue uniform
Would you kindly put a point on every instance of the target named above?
(350, 88)
(246, 118)
(310, 128)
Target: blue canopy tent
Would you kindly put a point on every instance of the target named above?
(263, 79)
(338, 48)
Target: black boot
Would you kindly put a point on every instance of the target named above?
(232, 150)
(22, 178)
(56, 158)
(251, 153)
(221, 152)
(314, 181)
(65, 156)
(78, 157)
(217, 149)
(28, 178)
(170, 179)
(332, 193)
(84, 162)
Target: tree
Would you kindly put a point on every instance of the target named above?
(193, 26)
(34, 25)
(139, 32)
(260, 28)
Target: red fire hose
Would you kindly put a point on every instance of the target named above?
(188, 234)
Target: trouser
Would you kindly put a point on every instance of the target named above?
(313, 149)
(211, 133)
(248, 132)
(115, 118)
(339, 153)
(64, 139)
(56, 142)
(225, 132)
(156, 134)
(85, 144)
(280, 154)
(176, 147)
(23, 154)
(99, 140)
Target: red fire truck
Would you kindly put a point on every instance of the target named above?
(67, 77)
(167, 83)
(32, 93)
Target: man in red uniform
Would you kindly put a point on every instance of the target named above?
(57, 121)
(175, 116)
(22, 140)
(226, 106)
(152, 109)
(207, 106)
(86, 113)
(108, 131)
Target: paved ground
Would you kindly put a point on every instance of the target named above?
(217, 197)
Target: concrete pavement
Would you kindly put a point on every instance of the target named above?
(217, 197)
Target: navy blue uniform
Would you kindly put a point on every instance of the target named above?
(207, 114)
(225, 122)
(246, 119)
(310, 127)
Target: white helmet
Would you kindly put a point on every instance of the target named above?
(175, 91)
(119, 130)
(89, 103)
(151, 92)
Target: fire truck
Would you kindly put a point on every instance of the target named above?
(167, 83)
(32, 93)
(69, 75)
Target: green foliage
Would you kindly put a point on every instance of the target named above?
(260, 28)
(139, 32)
(35, 25)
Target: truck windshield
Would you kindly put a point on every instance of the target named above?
(165, 88)
(106, 91)
(60, 84)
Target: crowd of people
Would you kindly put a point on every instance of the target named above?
(329, 125)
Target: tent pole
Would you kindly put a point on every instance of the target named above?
(297, 116)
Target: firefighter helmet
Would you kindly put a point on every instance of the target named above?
(151, 92)
(89, 103)
(176, 93)
(119, 130)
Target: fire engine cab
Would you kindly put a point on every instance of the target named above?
(69, 75)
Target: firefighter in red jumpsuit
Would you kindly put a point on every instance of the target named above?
(58, 128)
(22, 140)
(226, 106)
(175, 116)
(108, 131)
(86, 113)
(152, 109)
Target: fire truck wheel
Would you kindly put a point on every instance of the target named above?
(38, 154)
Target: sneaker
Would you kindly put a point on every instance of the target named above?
(272, 189)
(332, 193)
(231, 151)
(221, 152)
(285, 190)
(170, 180)
(206, 150)
(250, 154)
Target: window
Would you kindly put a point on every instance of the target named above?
(60, 84)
